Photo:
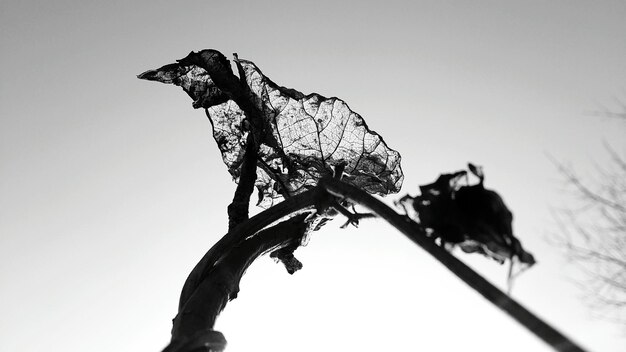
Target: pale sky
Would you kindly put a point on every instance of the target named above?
(112, 188)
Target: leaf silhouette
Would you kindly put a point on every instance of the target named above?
(301, 138)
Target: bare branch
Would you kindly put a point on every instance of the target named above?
(584, 190)
(615, 157)
(594, 236)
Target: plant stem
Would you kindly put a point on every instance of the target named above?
(246, 229)
(416, 234)
(238, 208)
(216, 277)
(221, 284)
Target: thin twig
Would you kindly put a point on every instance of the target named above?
(415, 233)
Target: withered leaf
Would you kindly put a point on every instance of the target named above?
(302, 137)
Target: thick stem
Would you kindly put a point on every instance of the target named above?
(416, 234)
(197, 317)
(246, 229)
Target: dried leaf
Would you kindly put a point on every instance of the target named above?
(302, 137)
(470, 216)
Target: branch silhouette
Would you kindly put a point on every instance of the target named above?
(218, 284)
(311, 158)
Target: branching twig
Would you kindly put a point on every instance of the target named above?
(219, 281)
(593, 237)
(585, 191)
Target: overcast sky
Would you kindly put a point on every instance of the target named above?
(112, 188)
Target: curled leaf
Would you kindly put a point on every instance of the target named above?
(470, 216)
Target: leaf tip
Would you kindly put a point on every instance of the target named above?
(147, 75)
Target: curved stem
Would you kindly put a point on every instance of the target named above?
(246, 229)
(192, 326)
(222, 261)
